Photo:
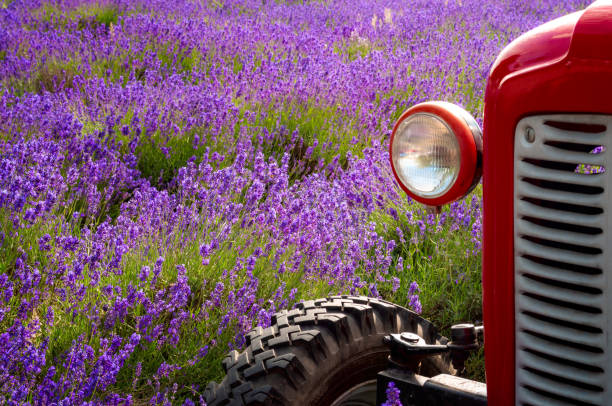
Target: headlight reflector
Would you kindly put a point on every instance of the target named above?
(426, 155)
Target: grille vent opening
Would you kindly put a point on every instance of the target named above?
(557, 225)
(558, 397)
(586, 169)
(563, 303)
(558, 341)
(565, 285)
(566, 381)
(580, 168)
(563, 246)
(562, 265)
(558, 166)
(563, 323)
(572, 146)
(573, 208)
(563, 361)
(565, 187)
(576, 127)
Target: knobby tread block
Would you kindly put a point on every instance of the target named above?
(210, 389)
(252, 334)
(315, 311)
(290, 366)
(336, 322)
(229, 360)
(261, 396)
(279, 341)
(242, 389)
(243, 361)
(289, 329)
(234, 377)
(220, 396)
(256, 370)
(307, 304)
(281, 321)
(307, 319)
(265, 355)
(256, 347)
(314, 343)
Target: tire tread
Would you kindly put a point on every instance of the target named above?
(277, 363)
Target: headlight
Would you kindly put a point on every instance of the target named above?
(436, 152)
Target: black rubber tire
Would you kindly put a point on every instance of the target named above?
(314, 353)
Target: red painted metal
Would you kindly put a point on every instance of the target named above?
(467, 146)
(592, 35)
(564, 66)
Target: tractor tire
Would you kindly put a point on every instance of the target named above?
(318, 352)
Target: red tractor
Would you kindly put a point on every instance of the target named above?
(546, 293)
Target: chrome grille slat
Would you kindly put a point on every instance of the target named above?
(564, 216)
(560, 351)
(529, 190)
(525, 247)
(561, 261)
(568, 157)
(565, 276)
(534, 399)
(571, 345)
(569, 392)
(537, 172)
(567, 295)
(563, 314)
(555, 368)
(556, 134)
(567, 334)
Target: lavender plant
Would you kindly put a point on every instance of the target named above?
(173, 173)
(393, 395)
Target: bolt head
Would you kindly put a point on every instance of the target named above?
(410, 337)
(529, 135)
(463, 333)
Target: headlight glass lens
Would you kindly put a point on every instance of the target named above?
(426, 155)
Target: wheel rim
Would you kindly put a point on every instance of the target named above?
(363, 394)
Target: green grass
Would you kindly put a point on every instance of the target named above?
(354, 48)
(160, 168)
(323, 133)
(50, 76)
(92, 14)
(449, 277)
(54, 74)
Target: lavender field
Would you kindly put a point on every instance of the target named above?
(174, 172)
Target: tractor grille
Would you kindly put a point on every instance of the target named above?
(561, 203)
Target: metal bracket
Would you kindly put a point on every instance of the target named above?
(441, 390)
(408, 350)
(464, 338)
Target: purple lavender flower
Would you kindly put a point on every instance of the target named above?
(413, 298)
(393, 395)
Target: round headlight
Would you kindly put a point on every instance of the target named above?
(436, 150)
